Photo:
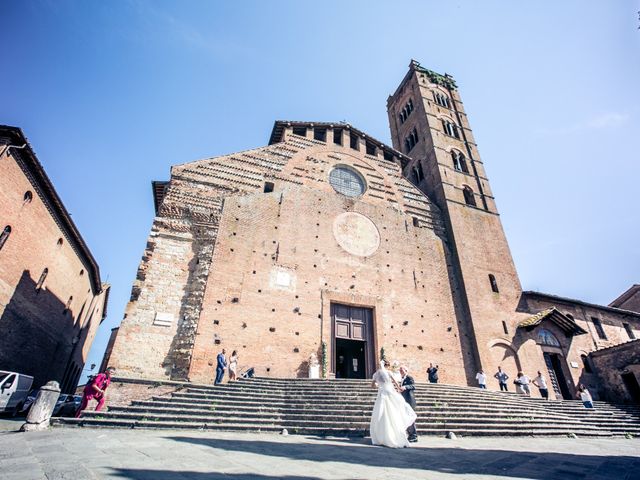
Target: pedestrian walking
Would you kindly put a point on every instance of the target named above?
(94, 390)
(502, 379)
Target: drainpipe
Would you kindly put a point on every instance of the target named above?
(7, 147)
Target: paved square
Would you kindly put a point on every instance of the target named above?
(162, 455)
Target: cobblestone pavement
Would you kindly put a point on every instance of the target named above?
(162, 455)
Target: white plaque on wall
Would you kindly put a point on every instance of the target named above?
(163, 319)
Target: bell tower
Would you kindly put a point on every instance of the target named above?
(429, 124)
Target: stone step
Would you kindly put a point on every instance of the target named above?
(324, 431)
(313, 408)
(343, 422)
(332, 417)
(344, 407)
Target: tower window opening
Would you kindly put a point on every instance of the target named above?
(43, 277)
(630, 332)
(416, 222)
(28, 196)
(406, 111)
(337, 136)
(4, 236)
(268, 187)
(419, 173)
(320, 134)
(459, 162)
(411, 140)
(504, 328)
(370, 148)
(469, 196)
(387, 155)
(599, 330)
(450, 128)
(353, 141)
(494, 284)
(441, 99)
(300, 131)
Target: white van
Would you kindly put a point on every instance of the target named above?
(14, 388)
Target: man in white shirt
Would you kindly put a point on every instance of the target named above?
(482, 379)
(541, 383)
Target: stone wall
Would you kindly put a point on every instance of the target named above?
(47, 329)
(611, 364)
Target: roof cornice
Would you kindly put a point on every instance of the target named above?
(33, 170)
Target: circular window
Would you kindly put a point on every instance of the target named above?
(347, 181)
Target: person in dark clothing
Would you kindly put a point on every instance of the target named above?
(407, 389)
(221, 367)
(432, 373)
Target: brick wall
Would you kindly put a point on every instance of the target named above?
(40, 336)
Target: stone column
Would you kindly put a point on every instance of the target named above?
(40, 413)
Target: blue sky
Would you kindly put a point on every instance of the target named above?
(111, 94)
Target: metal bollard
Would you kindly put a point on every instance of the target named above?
(42, 408)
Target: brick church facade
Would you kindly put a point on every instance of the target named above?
(329, 242)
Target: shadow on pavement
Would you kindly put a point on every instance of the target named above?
(172, 475)
(498, 463)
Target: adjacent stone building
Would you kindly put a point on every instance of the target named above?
(51, 297)
(329, 242)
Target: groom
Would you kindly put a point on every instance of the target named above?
(407, 387)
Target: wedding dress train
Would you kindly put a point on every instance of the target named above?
(391, 416)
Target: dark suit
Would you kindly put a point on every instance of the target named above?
(222, 364)
(409, 396)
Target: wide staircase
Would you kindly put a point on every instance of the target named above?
(343, 407)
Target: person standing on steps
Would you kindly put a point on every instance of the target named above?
(502, 379)
(585, 396)
(522, 384)
(541, 383)
(407, 389)
(233, 366)
(481, 377)
(432, 373)
(220, 367)
(94, 390)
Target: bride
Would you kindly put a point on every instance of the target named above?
(391, 414)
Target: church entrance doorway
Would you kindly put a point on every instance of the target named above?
(556, 375)
(353, 349)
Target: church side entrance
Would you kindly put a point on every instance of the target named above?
(352, 332)
(556, 375)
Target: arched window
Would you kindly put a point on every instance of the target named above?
(28, 196)
(459, 162)
(494, 284)
(469, 196)
(441, 99)
(450, 128)
(60, 241)
(4, 236)
(43, 277)
(586, 364)
(545, 337)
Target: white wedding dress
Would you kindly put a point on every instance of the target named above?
(391, 416)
